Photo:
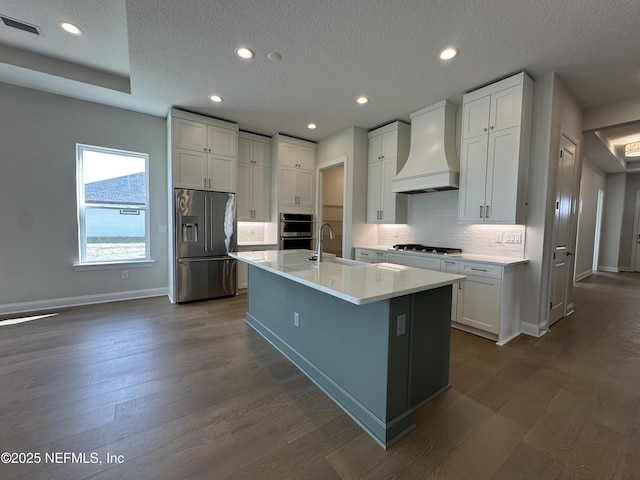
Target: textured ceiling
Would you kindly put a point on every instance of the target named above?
(177, 53)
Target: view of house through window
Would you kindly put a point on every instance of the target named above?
(112, 205)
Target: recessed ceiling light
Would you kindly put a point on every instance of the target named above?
(311, 126)
(448, 53)
(274, 56)
(362, 100)
(215, 98)
(244, 52)
(71, 28)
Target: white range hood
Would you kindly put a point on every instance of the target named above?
(433, 164)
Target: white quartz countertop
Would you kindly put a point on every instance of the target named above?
(354, 282)
(468, 257)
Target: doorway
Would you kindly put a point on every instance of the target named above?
(332, 207)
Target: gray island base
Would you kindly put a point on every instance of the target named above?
(379, 361)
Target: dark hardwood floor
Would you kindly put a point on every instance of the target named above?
(191, 392)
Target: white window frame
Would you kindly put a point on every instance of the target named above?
(82, 205)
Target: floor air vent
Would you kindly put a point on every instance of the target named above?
(12, 22)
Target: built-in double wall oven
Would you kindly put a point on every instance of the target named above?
(296, 231)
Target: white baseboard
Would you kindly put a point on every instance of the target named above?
(608, 269)
(43, 305)
(583, 275)
(625, 269)
(532, 329)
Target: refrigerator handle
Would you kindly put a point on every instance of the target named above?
(206, 226)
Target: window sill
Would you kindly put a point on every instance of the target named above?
(114, 265)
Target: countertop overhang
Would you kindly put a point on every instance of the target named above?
(353, 282)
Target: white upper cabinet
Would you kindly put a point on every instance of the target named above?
(494, 155)
(254, 178)
(189, 135)
(203, 152)
(294, 174)
(388, 152)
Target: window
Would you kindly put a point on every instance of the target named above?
(113, 199)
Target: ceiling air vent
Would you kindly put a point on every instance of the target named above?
(12, 22)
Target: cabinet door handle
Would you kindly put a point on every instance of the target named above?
(205, 183)
(491, 127)
(478, 269)
(205, 149)
(485, 129)
(449, 262)
(481, 211)
(486, 210)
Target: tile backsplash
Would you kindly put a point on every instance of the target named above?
(251, 232)
(433, 220)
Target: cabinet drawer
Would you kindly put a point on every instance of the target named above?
(409, 260)
(363, 255)
(369, 256)
(480, 270)
(449, 266)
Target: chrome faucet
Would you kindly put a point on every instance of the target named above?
(331, 236)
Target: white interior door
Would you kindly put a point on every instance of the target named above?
(561, 267)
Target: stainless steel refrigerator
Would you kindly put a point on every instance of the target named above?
(205, 234)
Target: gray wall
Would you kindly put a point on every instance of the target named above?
(555, 112)
(628, 221)
(593, 179)
(39, 235)
(612, 222)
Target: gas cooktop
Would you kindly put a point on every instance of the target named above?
(415, 247)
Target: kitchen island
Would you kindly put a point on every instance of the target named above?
(375, 338)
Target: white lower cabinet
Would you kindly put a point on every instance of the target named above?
(451, 266)
(486, 303)
(370, 256)
(479, 296)
(243, 268)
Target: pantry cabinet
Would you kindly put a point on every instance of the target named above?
(388, 152)
(494, 154)
(203, 152)
(294, 174)
(254, 178)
